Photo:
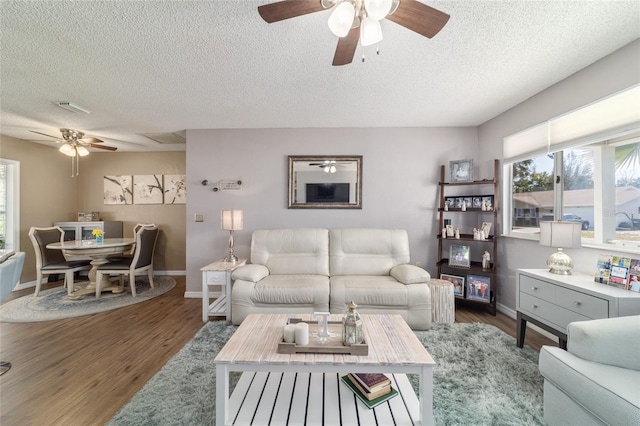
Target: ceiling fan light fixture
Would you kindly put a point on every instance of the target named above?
(67, 149)
(370, 32)
(341, 19)
(377, 9)
(82, 151)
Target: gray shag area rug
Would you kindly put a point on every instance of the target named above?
(481, 378)
(53, 304)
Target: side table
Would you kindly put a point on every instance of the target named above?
(443, 307)
(218, 274)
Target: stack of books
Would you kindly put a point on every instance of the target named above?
(372, 388)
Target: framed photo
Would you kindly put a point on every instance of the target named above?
(461, 170)
(458, 204)
(458, 283)
(477, 202)
(478, 288)
(450, 202)
(486, 227)
(460, 256)
(449, 228)
(488, 202)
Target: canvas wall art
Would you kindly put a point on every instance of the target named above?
(147, 189)
(175, 189)
(118, 189)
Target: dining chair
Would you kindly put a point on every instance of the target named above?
(129, 253)
(52, 261)
(142, 260)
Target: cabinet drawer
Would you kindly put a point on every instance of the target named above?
(215, 277)
(549, 313)
(540, 289)
(584, 304)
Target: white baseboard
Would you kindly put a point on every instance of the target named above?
(193, 295)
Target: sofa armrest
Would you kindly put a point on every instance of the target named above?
(611, 341)
(252, 273)
(409, 274)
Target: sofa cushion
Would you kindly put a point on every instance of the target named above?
(253, 273)
(368, 291)
(410, 274)
(610, 393)
(291, 289)
(292, 251)
(360, 251)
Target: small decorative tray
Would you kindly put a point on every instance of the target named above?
(322, 345)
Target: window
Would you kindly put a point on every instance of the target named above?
(9, 205)
(581, 168)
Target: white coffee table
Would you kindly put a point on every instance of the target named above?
(306, 386)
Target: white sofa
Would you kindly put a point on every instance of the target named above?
(306, 270)
(596, 381)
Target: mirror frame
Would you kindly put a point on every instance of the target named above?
(293, 159)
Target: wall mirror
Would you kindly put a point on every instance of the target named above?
(325, 182)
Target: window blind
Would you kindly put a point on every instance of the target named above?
(607, 118)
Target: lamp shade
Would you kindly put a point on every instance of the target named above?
(560, 234)
(341, 19)
(67, 149)
(370, 32)
(232, 220)
(377, 9)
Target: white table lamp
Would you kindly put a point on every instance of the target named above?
(231, 221)
(560, 235)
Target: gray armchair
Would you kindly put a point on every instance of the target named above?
(596, 381)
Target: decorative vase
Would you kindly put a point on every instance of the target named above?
(352, 326)
(99, 239)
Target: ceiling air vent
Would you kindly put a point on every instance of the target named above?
(165, 138)
(72, 107)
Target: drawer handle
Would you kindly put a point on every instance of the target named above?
(534, 288)
(577, 303)
(535, 306)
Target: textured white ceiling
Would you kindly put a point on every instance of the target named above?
(166, 66)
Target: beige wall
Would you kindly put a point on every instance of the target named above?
(48, 193)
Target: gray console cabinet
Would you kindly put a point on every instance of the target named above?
(552, 301)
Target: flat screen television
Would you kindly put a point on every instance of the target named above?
(327, 193)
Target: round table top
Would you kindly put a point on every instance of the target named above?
(91, 244)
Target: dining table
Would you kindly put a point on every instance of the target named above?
(99, 253)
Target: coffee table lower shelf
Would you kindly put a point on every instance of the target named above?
(277, 398)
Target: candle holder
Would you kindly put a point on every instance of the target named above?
(352, 326)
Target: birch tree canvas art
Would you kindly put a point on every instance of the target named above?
(147, 189)
(118, 189)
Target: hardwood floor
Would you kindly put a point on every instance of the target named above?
(81, 371)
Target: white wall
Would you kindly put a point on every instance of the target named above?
(609, 75)
(400, 175)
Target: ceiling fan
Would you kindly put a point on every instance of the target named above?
(75, 145)
(359, 20)
(328, 166)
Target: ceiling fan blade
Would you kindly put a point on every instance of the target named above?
(346, 47)
(418, 17)
(44, 134)
(92, 140)
(286, 9)
(107, 147)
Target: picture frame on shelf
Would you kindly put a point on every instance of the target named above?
(460, 255)
(477, 202)
(458, 283)
(488, 202)
(449, 228)
(478, 288)
(450, 202)
(486, 228)
(461, 170)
